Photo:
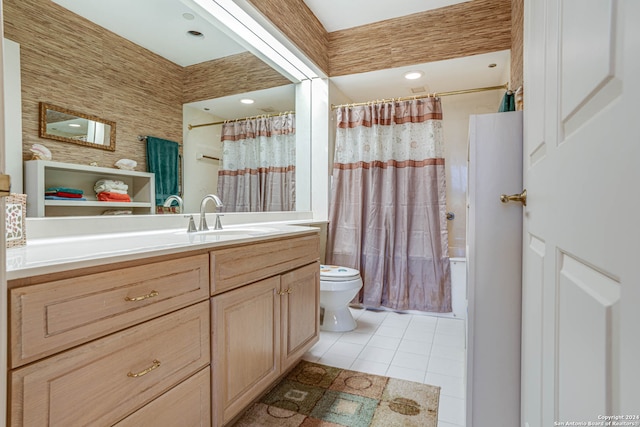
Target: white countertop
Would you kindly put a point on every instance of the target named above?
(49, 255)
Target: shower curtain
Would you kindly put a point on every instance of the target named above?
(387, 214)
(258, 164)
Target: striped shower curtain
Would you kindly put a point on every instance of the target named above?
(258, 164)
(388, 214)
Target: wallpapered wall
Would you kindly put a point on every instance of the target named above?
(68, 61)
(469, 28)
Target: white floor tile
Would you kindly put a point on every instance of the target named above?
(366, 327)
(384, 342)
(387, 331)
(310, 357)
(345, 349)
(315, 352)
(424, 320)
(451, 410)
(376, 354)
(396, 321)
(449, 386)
(410, 360)
(405, 373)
(439, 365)
(355, 338)
(450, 326)
(419, 335)
(449, 340)
(337, 361)
(373, 316)
(454, 353)
(370, 367)
(416, 347)
(330, 337)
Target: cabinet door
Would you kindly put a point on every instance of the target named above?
(300, 312)
(246, 346)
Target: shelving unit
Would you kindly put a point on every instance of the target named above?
(42, 174)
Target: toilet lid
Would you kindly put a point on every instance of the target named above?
(337, 272)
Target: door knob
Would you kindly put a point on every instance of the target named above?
(522, 198)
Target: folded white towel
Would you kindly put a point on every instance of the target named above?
(113, 191)
(110, 185)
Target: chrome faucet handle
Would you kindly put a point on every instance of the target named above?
(192, 224)
(218, 225)
(203, 223)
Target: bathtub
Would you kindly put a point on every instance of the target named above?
(458, 288)
(458, 293)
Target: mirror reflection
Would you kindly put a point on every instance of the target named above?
(242, 148)
(65, 125)
(144, 88)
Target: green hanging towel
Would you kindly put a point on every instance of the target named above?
(163, 159)
(508, 102)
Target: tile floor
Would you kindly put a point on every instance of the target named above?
(413, 347)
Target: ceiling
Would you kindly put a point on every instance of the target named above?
(162, 25)
(159, 26)
(339, 14)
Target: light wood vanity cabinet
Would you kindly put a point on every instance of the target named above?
(92, 349)
(186, 340)
(260, 329)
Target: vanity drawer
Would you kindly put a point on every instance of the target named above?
(101, 382)
(186, 405)
(234, 267)
(54, 316)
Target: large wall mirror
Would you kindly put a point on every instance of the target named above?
(174, 30)
(62, 124)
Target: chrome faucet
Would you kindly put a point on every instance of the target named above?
(203, 219)
(169, 200)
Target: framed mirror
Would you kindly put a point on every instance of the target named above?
(62, 124)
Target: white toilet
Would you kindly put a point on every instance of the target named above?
(338, 286)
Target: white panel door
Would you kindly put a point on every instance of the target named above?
(581, 275)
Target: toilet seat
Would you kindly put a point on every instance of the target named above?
(336, 273)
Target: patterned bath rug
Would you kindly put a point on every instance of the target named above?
(315, 395)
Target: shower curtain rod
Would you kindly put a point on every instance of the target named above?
(238, 120)
(409, 98)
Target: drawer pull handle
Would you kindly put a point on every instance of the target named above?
(289, 290)
(286, 291)
(143, 297)
(156, 364)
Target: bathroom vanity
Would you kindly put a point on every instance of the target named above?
(188, 331)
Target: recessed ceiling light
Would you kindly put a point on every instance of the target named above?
(188, 16)
(74, 125)
(492, 65)
(413, 75)
(195, 33)
(247, 101)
